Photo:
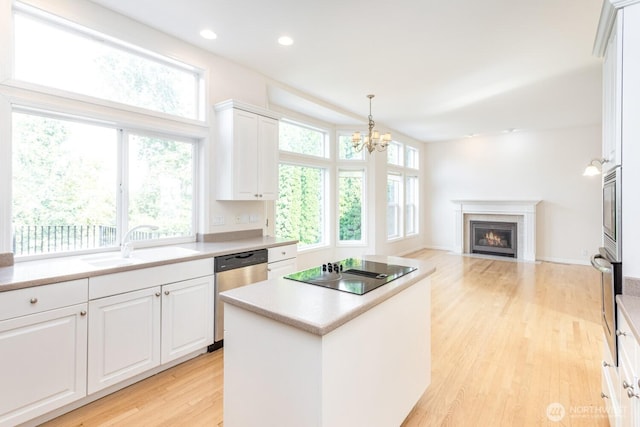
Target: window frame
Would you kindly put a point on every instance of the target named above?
(202, 113)
(120, 184)
(399, 178)
(405, 172)
(312, 157)
(300, 160)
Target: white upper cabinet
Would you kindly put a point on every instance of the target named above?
(612, 97)
(247, 152)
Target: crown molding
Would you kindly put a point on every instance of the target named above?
(607, 19)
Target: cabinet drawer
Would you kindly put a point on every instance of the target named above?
(42, 298)
(282, 252)
(281, 268)
(127, 281)
(627, 346)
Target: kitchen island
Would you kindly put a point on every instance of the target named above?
(303, 355)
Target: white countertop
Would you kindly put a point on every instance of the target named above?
(630, 307)
(316, 309)
(51, 270)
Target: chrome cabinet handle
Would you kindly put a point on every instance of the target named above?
(83, 313)
(604, 396)
(606, 365)
(626, 385)
(166, 292)
(158, 294)
(631, 394)
(33, 300)
(620, 333)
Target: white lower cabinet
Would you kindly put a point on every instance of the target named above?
(124, 337)
(282, 261)
(187, 317)
(628, 364)
(60, 343)
(610, 389)
(136, 331)
(43, 362)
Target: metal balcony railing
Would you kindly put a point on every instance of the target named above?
(38, 239)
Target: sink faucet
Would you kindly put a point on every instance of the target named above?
(127, 245)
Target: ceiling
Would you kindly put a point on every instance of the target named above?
(440, 69)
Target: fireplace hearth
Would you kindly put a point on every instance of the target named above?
(494, 238)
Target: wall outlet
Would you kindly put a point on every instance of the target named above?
(242, 219)
(218, 220)
(254, 218)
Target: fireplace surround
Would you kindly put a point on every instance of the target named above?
(522, 212)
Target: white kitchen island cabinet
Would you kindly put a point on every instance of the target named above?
(303, 355)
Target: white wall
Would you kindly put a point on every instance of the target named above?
(533, 165)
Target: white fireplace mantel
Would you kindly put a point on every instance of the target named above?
(526, 209)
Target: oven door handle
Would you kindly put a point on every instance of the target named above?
(598, 266)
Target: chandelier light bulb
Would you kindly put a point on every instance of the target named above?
(372, 139)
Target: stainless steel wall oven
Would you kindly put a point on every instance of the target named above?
(610, 286)
(612, 213)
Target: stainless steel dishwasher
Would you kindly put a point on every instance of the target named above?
(233, 271)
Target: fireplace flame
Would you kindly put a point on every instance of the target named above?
(495, 240)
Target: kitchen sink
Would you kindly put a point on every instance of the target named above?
(110, 259)
(115, 259)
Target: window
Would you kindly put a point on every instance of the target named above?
(300, 209)
(304, 190)
(394, 153)
(394, 206)
(66, 176)
(351, 198)
(411, 158)
(411, 205)
(161, 184)
(64, 188)
(55, 53)
(345, 149)
(403, 194)
(302, 140)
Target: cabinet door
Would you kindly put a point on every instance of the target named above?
(245, 141)
(612, 97)
(124, 337)
(268, 158)
(187, 317)
(280, 268)
(44, 362)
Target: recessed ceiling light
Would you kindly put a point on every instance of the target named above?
(285, 41)
(208, 34)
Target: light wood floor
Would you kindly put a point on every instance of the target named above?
(508, 339)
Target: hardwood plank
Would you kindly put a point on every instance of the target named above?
(508, 339)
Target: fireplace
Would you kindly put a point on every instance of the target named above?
(494, 238)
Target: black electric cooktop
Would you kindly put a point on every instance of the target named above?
(352, 275)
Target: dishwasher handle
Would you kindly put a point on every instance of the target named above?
(240, 260)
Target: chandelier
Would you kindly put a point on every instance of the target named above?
(372, 141)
